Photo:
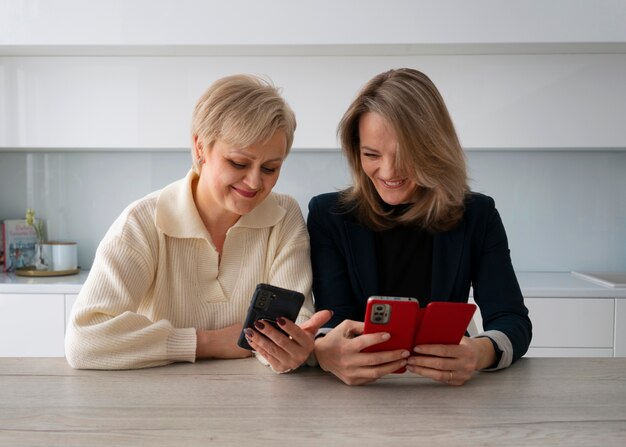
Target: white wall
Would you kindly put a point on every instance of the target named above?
(563, 210)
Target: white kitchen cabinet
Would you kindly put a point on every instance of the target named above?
(569, 327)
(497, 102)
(133, 79)
(571, 317)
(34, 314)
(32, 325)
(572, 327)
(572, 322)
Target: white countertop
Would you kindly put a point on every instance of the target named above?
(564, 284)
(533, 284)
(11, 283)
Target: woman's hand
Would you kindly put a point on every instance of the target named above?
(339, 352)
(220, 343)
(286, 352)
(452, 364)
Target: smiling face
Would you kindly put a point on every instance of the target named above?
(378, 149)
(234, 180)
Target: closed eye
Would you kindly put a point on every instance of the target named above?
(237, 165)
(268, 170)
(265, 169)
(370, 155)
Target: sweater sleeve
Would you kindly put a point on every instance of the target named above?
(106, 331)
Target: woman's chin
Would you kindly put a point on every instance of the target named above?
(395, 199)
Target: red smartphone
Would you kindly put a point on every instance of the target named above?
(443, 322)
(395, 315)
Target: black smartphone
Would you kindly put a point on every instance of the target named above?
(268, 303)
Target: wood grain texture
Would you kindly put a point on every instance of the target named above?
(546, 402)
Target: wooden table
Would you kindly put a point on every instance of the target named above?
(543, 402)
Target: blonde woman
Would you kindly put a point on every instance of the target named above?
(410, 226)
(173, 276)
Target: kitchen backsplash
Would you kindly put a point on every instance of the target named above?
(563, 210)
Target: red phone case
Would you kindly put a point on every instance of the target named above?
(443, 322)
(399, 322)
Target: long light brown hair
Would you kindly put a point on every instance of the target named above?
(428, 150)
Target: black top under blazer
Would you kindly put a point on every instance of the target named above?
(475, 253)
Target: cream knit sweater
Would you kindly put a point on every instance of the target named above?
(156, 278)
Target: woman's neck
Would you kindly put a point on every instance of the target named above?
(216, 220)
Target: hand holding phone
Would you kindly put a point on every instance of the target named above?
(268, 303)
(440, 322)
(444, 324)
(394, 315)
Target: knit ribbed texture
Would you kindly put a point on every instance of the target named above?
(149, 291)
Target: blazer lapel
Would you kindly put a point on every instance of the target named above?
(363, 257)
(447, 251)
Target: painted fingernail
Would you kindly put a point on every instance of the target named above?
(386, 336)
(260, 326)
(249, 332)
(281, 321)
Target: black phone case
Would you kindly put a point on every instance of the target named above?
(268, 303)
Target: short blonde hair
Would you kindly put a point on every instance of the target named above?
(241, 110)
(428, 150)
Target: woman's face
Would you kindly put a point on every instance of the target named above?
(234, 180)
(379, 146)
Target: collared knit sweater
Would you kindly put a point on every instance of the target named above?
(157, 277)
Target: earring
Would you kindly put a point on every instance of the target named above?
(201, 161)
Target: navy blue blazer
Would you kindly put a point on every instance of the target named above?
(475, 253)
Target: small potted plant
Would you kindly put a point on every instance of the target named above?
(40, 262)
